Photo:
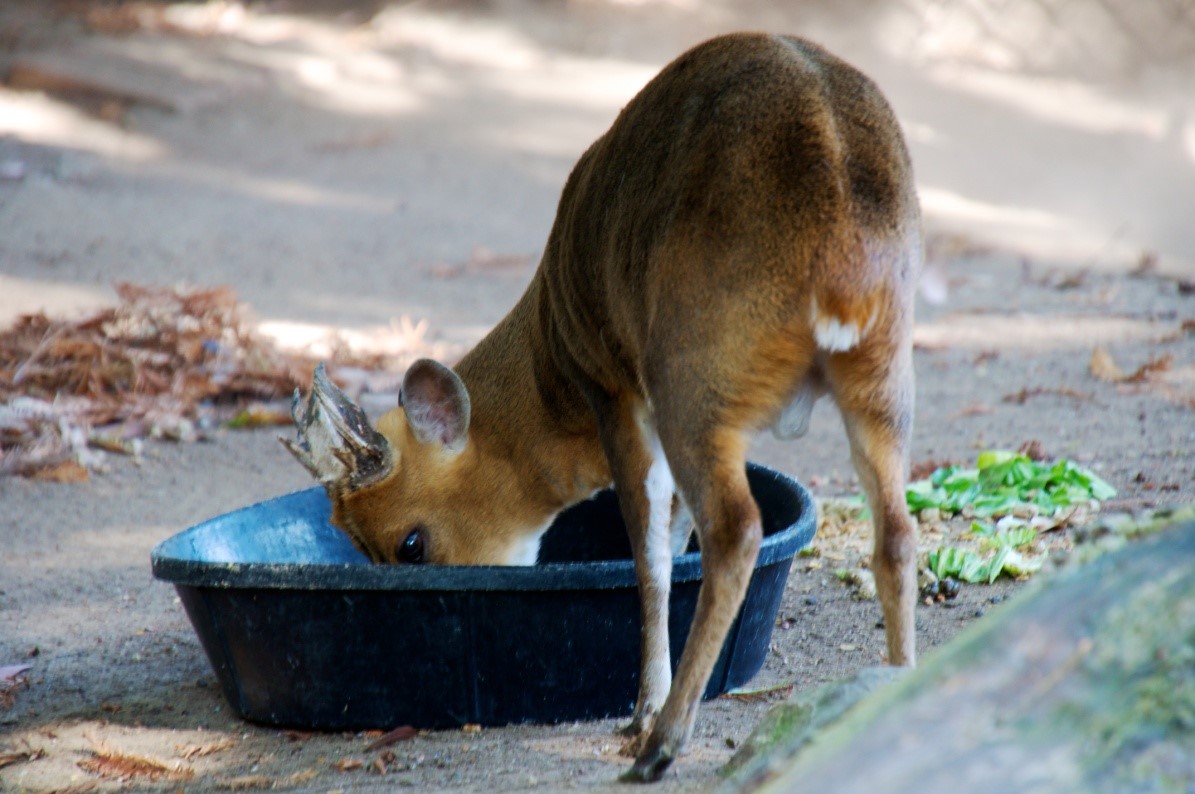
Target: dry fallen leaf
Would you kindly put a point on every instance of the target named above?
(111, 764)
(191, 752)
(1143, 372)
(922, 469)
(1104, 368)
(1021, 397)
(399, 734)
(162, 363)
(63, 471)
(348, 764)
(1034, 450)
(246, 783)
(971, 409)
(300, 778)
(8, 759)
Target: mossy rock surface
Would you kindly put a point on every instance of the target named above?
(1086, 682)
(789, 726)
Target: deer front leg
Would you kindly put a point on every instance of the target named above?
(730, 533)
(645, 489)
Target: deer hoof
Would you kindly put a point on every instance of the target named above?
(649, 766)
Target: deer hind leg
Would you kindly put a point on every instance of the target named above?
(643, 482)
(710, 471)
(876, 400)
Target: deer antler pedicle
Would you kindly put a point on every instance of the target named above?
(335, 442)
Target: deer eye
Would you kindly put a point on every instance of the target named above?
(410, 549)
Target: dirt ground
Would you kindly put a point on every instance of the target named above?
(344, 170)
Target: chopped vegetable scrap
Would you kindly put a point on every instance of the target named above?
(1008, 483)
(1027, 496)
(1003, 554)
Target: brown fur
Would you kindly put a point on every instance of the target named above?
(747, 226)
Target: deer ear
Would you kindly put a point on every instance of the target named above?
(436, 403)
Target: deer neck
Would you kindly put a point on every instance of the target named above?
(527, 416)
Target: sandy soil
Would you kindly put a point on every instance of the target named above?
(345, 170)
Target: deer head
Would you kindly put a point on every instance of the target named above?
(414, 489)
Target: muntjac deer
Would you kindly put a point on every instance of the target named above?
(743, 240)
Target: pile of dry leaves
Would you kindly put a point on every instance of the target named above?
(163, 363)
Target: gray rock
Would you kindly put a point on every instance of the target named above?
(789, 726)
(1084, 682)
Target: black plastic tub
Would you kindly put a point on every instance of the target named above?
(303, 631)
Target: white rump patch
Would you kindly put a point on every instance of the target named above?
(832, 334)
